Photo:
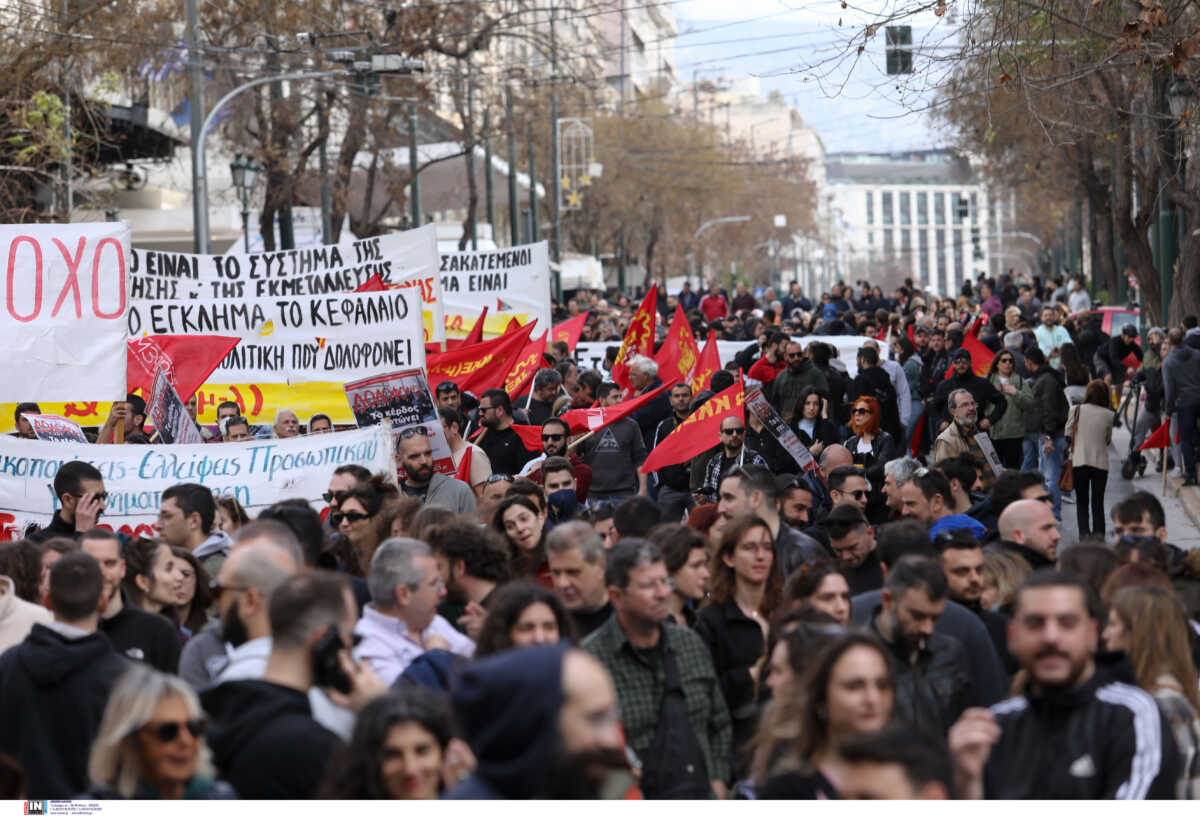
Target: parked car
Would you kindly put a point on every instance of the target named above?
(1115, 318)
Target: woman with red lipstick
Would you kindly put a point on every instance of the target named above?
(402, 748)
(745, 593)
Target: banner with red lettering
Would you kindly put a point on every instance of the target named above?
(402, 399)
(63, 324)
(49, 428)
(480, 367)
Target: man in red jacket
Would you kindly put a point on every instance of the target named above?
(767, 367)
(714, 305)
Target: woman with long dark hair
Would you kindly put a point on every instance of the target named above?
(814, 430)
(359, 520)
(734, 624)
(194, 597)
(1075, 371)
(523, 614)
(523, 525)
(820, 586)
(152, 578)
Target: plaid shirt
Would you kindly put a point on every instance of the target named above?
(640, 691)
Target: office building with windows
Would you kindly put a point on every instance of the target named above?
(919, 215)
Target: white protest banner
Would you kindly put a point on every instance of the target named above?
(989, 452)
(165, 409)
(779, 429)
(402, 400)
(63, 322)
(50, 428)
(318, 338)
(401, 260)
(512, 282)
(257, 473)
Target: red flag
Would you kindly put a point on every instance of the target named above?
(911, 337)
(698, 432)
(372, 284)
(569, 330)
(525, 365)
(981, 356)
(639, 339)
(977, 326)
(479, 367)
(918, 435)
(187, 360)
(1160, 438)
(475, 335)
(531, 436)
(513, 325)
(1131, 360)
(593, 419)
(463, 474)
(679, 353)
(708, 364)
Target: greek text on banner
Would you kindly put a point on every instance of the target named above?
(511, 282)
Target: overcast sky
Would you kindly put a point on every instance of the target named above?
(799, 49)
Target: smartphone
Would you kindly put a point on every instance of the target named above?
(327, 671)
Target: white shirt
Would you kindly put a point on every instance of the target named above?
(389, 648)
(895, 372)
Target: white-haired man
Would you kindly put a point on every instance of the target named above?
(643, 376)
(287, 424)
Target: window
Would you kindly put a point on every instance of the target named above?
(959, 203)
(898, 41)
(906, 246)
(974, 208)
(922, 209)
(976, 248)
(939, 208)
(887, 243)
(870, 207)
(885, 204)
(940, 236)
(959, 269)
(905, 207)
(923, 256)
(871, 238)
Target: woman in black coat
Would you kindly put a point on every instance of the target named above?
(816, 432)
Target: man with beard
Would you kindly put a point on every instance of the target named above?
(982, 391)
(135, 633)
(852, 540)
(1050, 336)
(542, 722)
(472, 560)
(421, 480)
(796, 500)
(959, 437)
(732, 453)
(539, 403)
(1082, 729)
(674, 716)
(555, 435)
(799, 374)
(926, 498)
(961, 557)
(499, 441)
(933, 679)
(1028, 528)
(752, 489)
(674, 480)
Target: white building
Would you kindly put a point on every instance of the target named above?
(919, 215)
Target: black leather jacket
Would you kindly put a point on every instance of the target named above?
(933, 686)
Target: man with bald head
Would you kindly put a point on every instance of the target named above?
(1029, 529)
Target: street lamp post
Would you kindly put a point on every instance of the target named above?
(245, 178)
(712, 222)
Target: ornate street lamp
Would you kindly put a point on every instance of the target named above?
(245, 178)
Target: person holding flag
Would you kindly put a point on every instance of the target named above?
(615, 452)
(674, 480)
(733, 453)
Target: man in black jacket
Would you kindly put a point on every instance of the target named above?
(81, 497)
(961, 559)
(990, 403)
(1109, 359)
(264, 739)
(933, 680)
(1082, 729)
(674, 496)
(1050, 408)
(54, 685)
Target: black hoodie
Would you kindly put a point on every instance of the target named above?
(265, 741)
(53, 690)
(508, 705)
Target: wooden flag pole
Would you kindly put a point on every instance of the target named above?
(580, 439)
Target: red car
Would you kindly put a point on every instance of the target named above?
(1114, 318)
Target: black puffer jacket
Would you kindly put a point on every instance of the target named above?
(933, 687)
(1103, 740)
(1050, 405)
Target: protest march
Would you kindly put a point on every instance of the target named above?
(373, 521)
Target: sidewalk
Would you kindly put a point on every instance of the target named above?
(1180, 504)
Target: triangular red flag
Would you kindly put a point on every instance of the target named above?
(639, 338)
(187, 360)
(569, 331)
(918, 435)
(1159, 439)
(531, 360)
(582, 420)
(679, 353)
(1131, 361)
(513, 325)
(531, 436)
(708, 364)
(479, 367)
(372, 284)
(475, 335)
(698, 432)
(463, 474)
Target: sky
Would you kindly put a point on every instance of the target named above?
(798, 49)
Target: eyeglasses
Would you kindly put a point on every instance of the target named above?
(169, 731)
(499, 477)
(795, 355)
(336, 519)
(415, 430)
(733, 431)
(862, 411)
(330, 496)
(857, 494)
(553, 437)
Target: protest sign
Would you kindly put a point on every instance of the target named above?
(257, 473)
(49, 428)
(331, 338)
(407, 259)
(402, 400)
(166, 412)
(779, 429)
(989, 452)
(63, 325)
(512, 282)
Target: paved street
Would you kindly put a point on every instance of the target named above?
(1180, 529)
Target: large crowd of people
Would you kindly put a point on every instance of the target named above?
(904, 620)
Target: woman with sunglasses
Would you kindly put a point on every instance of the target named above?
(1008, 435)
(358, 518)
(872, 448)
(523, 526)
(150, 744)
(814, 430)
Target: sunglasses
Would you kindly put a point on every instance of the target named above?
(169, 731)
(857, 494)
(733, 431)
(415, 430)
(1005, 360)
(336, 519)
(553, 437)
(329, 496)
(862, 411)
(795, 355)
(499, 477)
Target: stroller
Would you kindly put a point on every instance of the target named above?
(1134, 463)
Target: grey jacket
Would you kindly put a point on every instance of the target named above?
(1181, 375)
(450, 492)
